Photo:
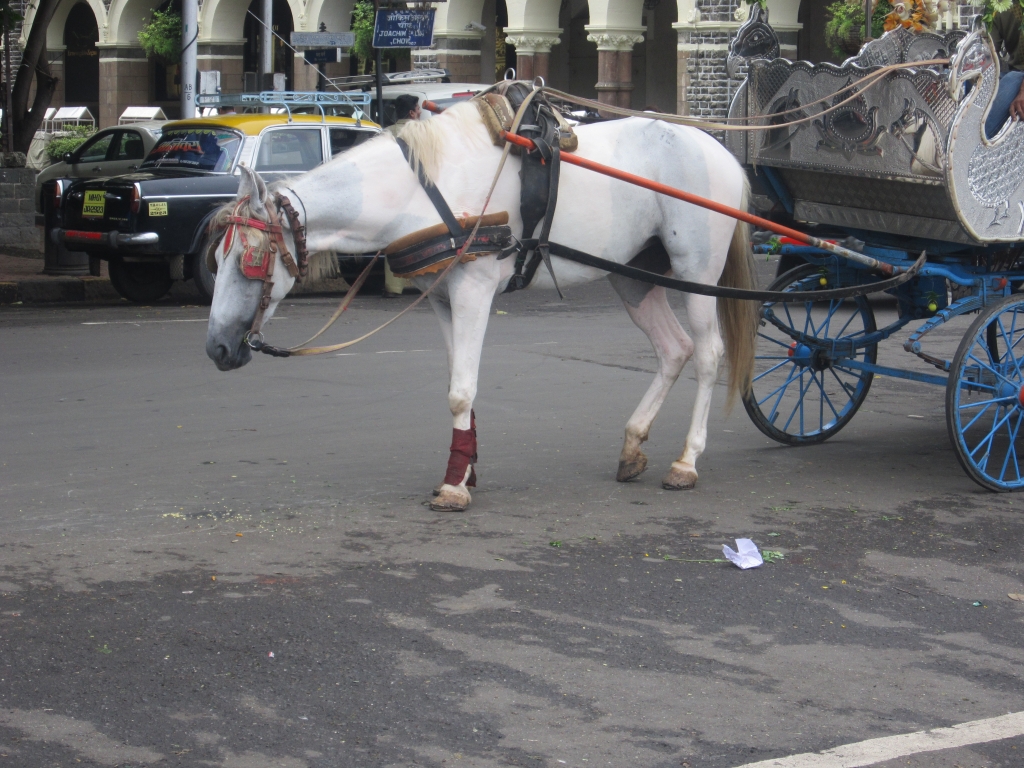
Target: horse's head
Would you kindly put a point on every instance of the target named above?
(973, 59)
(755, 39)
(250, 250)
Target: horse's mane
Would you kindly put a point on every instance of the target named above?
(322, 264)
(427, 139)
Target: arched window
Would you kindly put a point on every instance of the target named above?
(282, 57)
(82, 61)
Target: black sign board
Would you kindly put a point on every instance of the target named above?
(394, 28)
(321, 56)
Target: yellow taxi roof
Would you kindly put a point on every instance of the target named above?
(253, 125)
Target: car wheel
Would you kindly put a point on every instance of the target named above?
(140, 281)
(203, 277)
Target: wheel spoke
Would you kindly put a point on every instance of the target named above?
(977, 403)
(770, 370)
(780, 389)
(988, 367)
(1011, 451)
(773, 340)
(853, 316)
(826, 400)
(1009, 340)
(846, 387)
(971, 422)
(798, 407)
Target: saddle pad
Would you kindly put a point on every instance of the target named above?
(467, 223)
(498, 112)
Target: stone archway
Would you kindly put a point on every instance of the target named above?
(82, 59)
(281, 56)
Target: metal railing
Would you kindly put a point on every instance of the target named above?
(345, 104)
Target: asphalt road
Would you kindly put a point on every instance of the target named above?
(239, 570)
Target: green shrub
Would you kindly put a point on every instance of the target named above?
(74, 137)
(162, 36)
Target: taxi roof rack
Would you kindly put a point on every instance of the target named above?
(393, 78)
(358, 103)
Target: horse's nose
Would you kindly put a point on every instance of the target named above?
(219, 353)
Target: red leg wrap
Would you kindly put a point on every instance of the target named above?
(463, 455)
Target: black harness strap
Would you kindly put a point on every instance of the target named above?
(718, 291)
(434, 194)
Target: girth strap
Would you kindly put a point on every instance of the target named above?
(434, 194)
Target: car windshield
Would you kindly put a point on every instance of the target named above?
(202, 149)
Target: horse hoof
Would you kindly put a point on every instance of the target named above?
(632, 468)
(679, 478)
(437, 489)
(452, 498)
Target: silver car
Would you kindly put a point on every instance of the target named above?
(109, 152)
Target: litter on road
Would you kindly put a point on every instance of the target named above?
(745, 555)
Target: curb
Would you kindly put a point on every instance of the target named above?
(57, 290)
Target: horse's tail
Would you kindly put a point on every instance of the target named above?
(738, 318)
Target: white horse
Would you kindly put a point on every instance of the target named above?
(370, 196)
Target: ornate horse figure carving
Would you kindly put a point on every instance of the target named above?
(984, 176)
(755, 39)
(370, 197)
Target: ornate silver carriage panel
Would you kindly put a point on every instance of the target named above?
(904, 156)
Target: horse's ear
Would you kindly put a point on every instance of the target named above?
(251, 185)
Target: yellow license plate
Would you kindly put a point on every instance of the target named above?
(95, 204)
(158, 209)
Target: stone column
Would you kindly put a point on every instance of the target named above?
(124, 81)
(458, 52)
(614, 63)
(533, 51)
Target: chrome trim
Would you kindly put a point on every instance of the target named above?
(142, 238)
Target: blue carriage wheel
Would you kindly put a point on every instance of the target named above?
(802, 393)
(985, 397)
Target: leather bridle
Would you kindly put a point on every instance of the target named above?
(258, 263)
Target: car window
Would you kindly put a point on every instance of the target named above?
(204, 149)
(130, 147)
(346, 138)
(95, 150)
(290, 149)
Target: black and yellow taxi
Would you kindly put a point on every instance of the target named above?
(149, 225)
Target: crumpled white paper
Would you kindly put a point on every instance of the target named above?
(746, 557)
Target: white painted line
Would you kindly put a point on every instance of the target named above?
(147, 322)
(875, 751)
(143, 322)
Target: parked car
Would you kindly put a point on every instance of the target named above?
(150, 225)
(109, 152)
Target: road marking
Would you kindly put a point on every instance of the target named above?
(406, 351)
(139, 323)
(875, 751)
(145, 322)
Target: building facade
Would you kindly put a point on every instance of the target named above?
(667, 54)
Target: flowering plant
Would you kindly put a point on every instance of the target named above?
(915, 14)
(992, 7)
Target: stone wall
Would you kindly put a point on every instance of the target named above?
(18, 211)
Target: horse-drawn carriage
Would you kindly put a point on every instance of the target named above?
(899, 162)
